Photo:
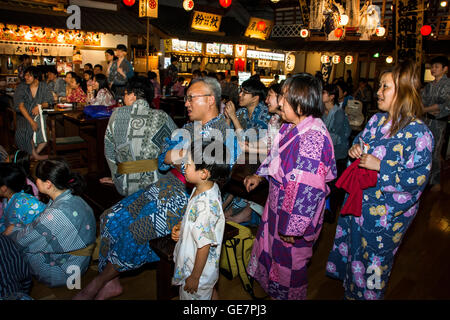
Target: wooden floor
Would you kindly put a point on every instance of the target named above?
(421, 269)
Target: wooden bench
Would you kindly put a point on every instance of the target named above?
(164, 248)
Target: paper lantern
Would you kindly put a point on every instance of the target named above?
(348, 59)
(443, 4)
(425, 30)
(225, 3)
(188, 5)
(275, 1)
(389, 59)
(380, 31)
(324, 59)
(343, 20)
(304, 33)
(336, 59)
(129, 3)
(289, 64)
(261, 26)
(338, 32)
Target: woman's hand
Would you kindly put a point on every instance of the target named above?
(106, 180)
(230, 110)
(34, 126)
(176, 232)
(191, 284)
(251, 182)
(370, 162)
(288, 239)
(355, 151)
(433, 109)
(35, 110)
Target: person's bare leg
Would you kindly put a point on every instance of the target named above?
(215, 294)
(111, 289)
(35, 153)
(100, 281)
(41, 147)
(243, 216)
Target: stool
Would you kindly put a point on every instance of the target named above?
(164, 247)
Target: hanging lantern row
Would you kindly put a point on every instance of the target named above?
(336, 59)
(188, 5)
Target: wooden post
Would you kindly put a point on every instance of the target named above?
(147, 50)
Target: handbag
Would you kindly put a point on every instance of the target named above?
(97, 111)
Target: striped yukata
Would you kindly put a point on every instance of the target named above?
(24, 132)
(15, 276)
(66, 225)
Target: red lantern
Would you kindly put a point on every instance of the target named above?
(261, 26)
(129, 3)
(225, 3)
(338, 32)
(425, 30)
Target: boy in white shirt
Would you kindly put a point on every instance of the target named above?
(199, 235)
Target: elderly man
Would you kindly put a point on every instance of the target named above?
(127, 227)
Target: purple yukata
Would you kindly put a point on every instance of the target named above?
(298, 167)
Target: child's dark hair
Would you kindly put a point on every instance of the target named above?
(22, 159)
(214, 157)
(13, 177)
(58, 172)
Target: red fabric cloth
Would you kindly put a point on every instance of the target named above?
(354, 180)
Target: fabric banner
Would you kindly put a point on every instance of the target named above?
(304, 8)
(148, 8)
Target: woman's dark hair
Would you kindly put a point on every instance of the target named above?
(89, 72)
(89, 65)
(13, 177)
(255, 87)
(213, 156)
(73, 74)
(52, 69)
(58, 172)
(22, 159)
(141, 87)
(332, 90)
(77, 79)
(102, 83)
(276, 87)
(34, 71)
(151, 75)
(344, 87)
(110, 52)
(99, 66)
(304, 93)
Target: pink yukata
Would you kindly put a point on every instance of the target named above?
(297, 171)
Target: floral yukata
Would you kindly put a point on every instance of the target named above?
(203, 224)
(364, 247)
(21, 209)
(127, 227)
(65, 226)
(297, 172)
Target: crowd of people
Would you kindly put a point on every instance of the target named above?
(301, 131)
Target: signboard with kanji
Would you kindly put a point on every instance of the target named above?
(409, 17)
(205, 21)
(259, 28)
(148, 8)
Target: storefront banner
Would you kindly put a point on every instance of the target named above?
(205, 21)
(35, 49)
(253, 54)
(148, 8)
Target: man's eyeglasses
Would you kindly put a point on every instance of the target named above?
(242, 90)
(189, 98)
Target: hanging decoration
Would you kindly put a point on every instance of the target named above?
(304, 33)
(289, 63)
(188, 5)
(336, 59)
(348, 59)
(77, 58)
(389, 59)
(380, 31)
(324, 58)
(338, 33)
(425, 30)
(129, 3)
(343, 20)
(261, 25)
(332, 14)
(369, 20)
(148, 8)
(225, 3)
(275, 1)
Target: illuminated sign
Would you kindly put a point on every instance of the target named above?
(259, 28)
(253, 54)
(217, 48)
(148, 8)
(205, 21)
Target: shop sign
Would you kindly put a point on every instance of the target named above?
(175, 45)
(259, 28)
(240, 50)
(218, 48)
(35, 49)
(253, 54)
(264, 63)
(206, 21)
(289, 64)
(148, 8)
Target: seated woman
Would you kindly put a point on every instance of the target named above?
(149, 213)
(87, 81)
(27, 98)
(133, 140)
(178, 88)
(63, 235)
(76, 93)
(102, 95)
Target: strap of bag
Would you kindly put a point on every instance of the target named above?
(137, 166)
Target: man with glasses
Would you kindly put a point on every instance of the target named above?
(253, 115)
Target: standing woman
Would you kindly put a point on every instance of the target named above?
(63, 235)
(110, 57)
(28, 96)
(400, 149)
(298, 167)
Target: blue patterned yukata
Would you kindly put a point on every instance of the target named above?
(65, 226)
(127, 227)
(364, 247)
